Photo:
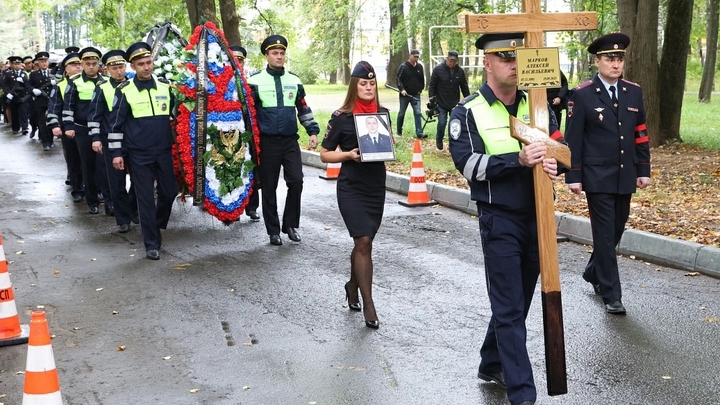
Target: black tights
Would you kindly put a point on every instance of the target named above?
(361, 274)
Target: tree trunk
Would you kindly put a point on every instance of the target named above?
(192, 13)
(673, 64)
(708, 75)
(641, 61)
(230, 21)
(398, 52)
(333, 77)
(206, 11)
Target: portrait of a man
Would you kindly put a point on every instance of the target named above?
(374, 138)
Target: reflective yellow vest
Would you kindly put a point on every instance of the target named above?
(493, 124)
(108, 92)
(148, 103)
(62, 85)
(84, 88)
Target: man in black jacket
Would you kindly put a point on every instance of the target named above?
(411, 82)
(446, 82)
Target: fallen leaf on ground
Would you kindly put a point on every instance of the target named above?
(19, 372)
(56, 271)
(121, 348)
(52, 336)
(41, 307)
(710, 319)
(247, 387)
(19, 252)
(99, 289)
(115, 312)
(194, 390)
(167, 357)
(327, 228)
(666, 377)
(692, 274)
(76, 328)
(92, 259)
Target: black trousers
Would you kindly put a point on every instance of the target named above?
(74, 167)
(557, 109)
(117, 182)
(31, 117)
(277, 151)
(254, 201)
(17, 114)
(608, 215)
(93, 169)
(44, 133)
(144, 171)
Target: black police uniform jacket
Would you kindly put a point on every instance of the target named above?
(498, 183)
(43, 83)
(609, 146)
(11, 85)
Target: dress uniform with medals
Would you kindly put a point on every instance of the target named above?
(280, 101)
(140, 134)
(55, 125)
(502, 187)
(14, 84)
(40, 84)
(76, 108)
(100, 107)
(608, 138)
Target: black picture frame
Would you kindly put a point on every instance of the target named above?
(378, 148)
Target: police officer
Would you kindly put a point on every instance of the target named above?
(40, 84)
(607, 135)
(100, 107)
(278, 93)
(28, 113)
(140, 133)
(254, 202)
(76, 108)
(14, 84)
(70, 66)
(499, 171)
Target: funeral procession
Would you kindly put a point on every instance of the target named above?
(359, 203)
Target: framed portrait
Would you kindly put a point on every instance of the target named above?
(375, 141)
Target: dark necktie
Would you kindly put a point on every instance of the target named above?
(613, 96)
(375, 141)
(44, 73)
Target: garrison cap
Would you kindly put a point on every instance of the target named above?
(610, 45)
(273, 41)
(138, 50)
(114, 57)
(90, 52)
(27, 59)
(72, 49)
(238, 51)
(363, 70)
(502, 45)
(70, 58)
(42, 55)
(14, 59)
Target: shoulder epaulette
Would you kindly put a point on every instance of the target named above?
(583, 85)
(163, 80)
(469, 98)
(75, 76)
(291, 73)
(255, 73)
(123, 84)
(629, 82)
(337, 113)
(102, 80)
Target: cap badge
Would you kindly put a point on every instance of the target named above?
(615, 46)
(371, 75)
(278, 41)
(513, 44)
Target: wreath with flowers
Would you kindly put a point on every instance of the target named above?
(221, 126)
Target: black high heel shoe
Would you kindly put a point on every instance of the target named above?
(372, 324)
(354, 306)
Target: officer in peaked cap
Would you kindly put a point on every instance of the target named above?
(140, 136)
(273, 42)
(40, 85)
(608, 138)
(72, 49)
(28, 112)
(499, 170)
(14, 83)
(240, 53)
(76, 108)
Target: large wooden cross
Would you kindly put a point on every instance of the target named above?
(533, 22)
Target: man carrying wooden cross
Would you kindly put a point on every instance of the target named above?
(499, 171)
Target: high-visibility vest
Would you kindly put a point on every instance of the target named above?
(150, 102)
(493, 124)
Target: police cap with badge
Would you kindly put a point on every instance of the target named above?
(27, 59)
(73, 57)
(72, 49)
(273, 42)
(90, 53)
(138, 50)
(502, 45)
(238, 51)
(114, 57)
(363, 70)
(611, 45)
(42, 56)
(14, 59)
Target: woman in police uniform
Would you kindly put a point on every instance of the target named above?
(360, 186)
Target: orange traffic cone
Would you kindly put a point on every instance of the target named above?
(418, 195)
(332, 170)
(42, 386)
(11, 332)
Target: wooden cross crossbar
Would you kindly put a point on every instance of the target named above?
(533, 23)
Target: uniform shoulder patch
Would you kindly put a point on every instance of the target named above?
(584, 85)
(469, 98)
(73, 77)
(102, 80)
(455, 128)
(123, 84)
(163, 80)
(629, 82)
(337, 113)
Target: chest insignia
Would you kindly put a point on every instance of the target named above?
(599, 109)
(633, 109)
(600, 117)
(291, 95)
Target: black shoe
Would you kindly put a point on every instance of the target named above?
(373, 324)
(355, 306)
(94, 210)
(421, 136)
(496, 377)
(527, 403)
(152, 254)
(292, 234)
(77, 198)
(253, 216)
(46, 148)
(596, 286)
(25, 132)
(439, 143)
(399, 132)
(134, 219)
(110, 211)
(275, 240)
(67, 182)
(123, 228)
(32, 134)
(615, 308)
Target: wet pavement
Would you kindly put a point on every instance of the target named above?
(244, 322)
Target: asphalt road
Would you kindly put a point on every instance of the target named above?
(244, 322)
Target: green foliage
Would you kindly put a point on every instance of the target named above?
(700, 123)
(302, 65)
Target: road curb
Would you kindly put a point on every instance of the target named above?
(646, 246)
